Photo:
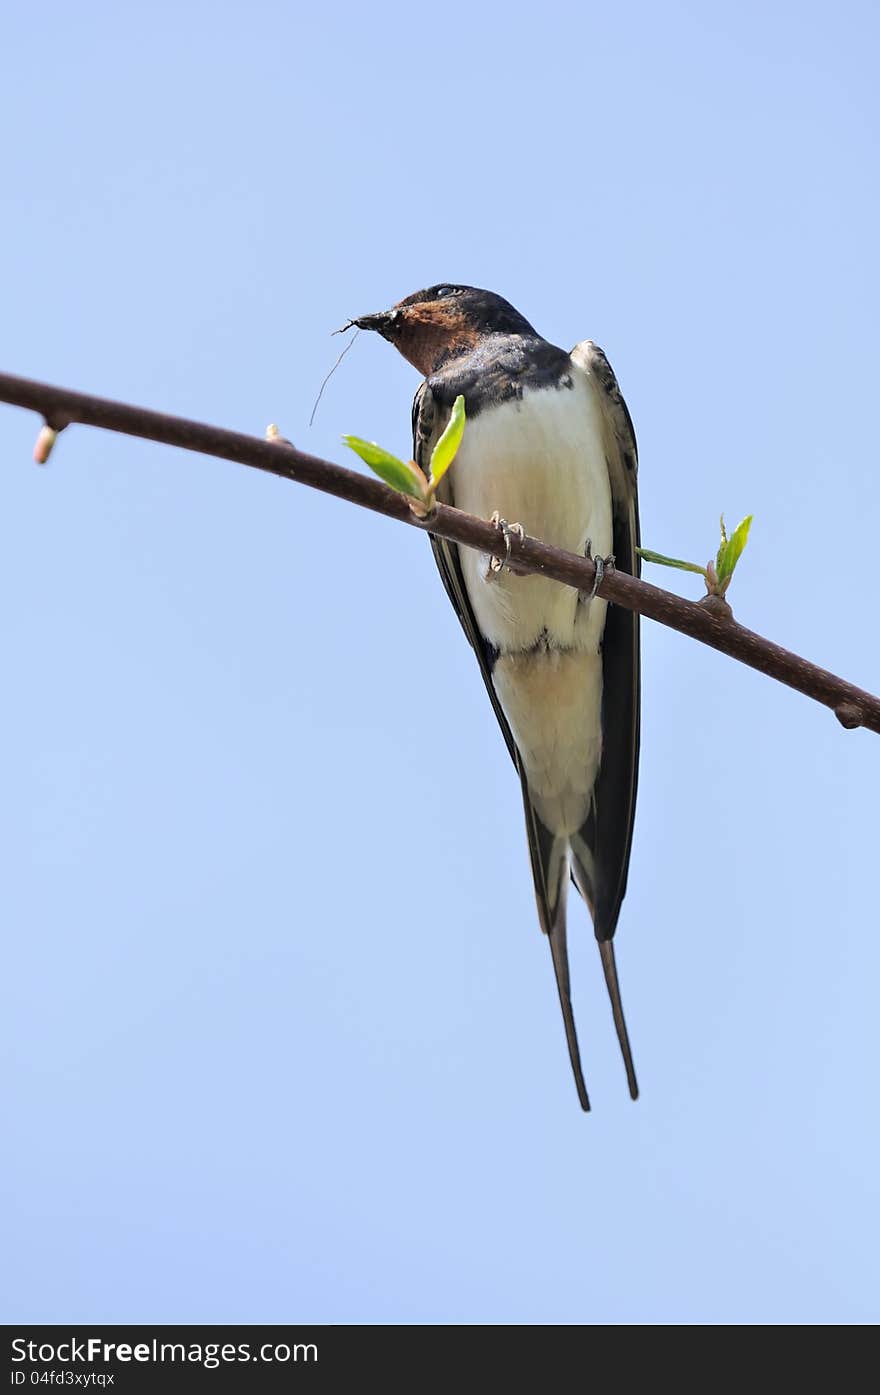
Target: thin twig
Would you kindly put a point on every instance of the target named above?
(60, 407)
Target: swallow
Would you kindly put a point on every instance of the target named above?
(549, 442)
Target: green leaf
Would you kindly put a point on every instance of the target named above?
(388, 467)
(722, 545)
(445, 450)
(731, 551)
(669, 561)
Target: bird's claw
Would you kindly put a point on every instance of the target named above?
(602, 565)
(507, 530)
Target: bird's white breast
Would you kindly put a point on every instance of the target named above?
(541, 462)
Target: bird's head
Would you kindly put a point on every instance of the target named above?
(434, 326)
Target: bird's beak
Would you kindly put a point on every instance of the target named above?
(382, 323)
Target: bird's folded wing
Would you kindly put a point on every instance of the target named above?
(601, 849)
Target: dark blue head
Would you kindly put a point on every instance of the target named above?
(432, 327)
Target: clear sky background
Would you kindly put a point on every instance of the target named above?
(279, 1033)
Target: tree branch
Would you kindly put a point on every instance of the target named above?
(701, 620)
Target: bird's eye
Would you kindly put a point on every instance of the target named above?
(442, 291)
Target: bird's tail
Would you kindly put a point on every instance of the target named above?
(558, 938)
(606, 950)
(550, 870)
(582, 868)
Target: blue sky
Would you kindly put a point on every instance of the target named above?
(279, 1034)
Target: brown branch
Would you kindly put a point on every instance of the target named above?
(703, 621)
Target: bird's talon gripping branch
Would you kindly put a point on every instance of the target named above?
(507, 531)
(602, 565)
(598, 578)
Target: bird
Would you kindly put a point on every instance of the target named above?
(549, 443)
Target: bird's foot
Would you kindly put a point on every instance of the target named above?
(603, 564)
(507, 530)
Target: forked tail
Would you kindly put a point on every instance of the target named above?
(606, 950)
(557, 936)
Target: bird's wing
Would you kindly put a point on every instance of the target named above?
(608, 833)
(549, 868)
(601, 848)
